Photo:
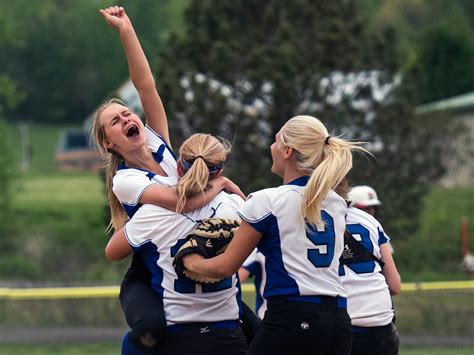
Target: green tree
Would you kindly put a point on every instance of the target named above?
(445, 66)
(436, 42)
(70, 61)
(242, 69)
(10, 97)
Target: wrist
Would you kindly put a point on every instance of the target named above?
(125, 29)
(219, 183)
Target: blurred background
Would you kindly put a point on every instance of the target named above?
(397, 74)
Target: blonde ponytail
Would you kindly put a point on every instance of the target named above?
(326, 160)
(201, 158)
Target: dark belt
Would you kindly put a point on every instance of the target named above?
(202, 327)
(373, 330)
(338, 301)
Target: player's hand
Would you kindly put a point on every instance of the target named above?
(231, 187)
(116, 17)
(190, 259)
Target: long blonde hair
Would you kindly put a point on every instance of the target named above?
(118, 217)
(201, 158)
(326, 160)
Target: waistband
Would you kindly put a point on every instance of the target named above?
(203, 327)
(372, 330)
(338, 301)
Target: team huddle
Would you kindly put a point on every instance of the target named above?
(324, 271)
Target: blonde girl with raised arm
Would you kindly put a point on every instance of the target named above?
(140, 168)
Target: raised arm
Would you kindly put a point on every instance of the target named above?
(140, 71)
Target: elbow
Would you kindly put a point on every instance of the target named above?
(395, 290)
(110, 255)
(395, 286)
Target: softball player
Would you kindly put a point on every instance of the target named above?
(201, 319)
(255, 266)
(368, 288)
(369, 284)
(141, 168)
(299, 228)
(365, 198)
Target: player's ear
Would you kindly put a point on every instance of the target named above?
(107, 145)
(287, 152)
(218, 173)
(180, 169)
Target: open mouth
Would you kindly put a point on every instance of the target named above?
(132, 131)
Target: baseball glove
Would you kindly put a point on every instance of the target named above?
(209, 239)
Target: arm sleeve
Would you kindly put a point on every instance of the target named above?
(129, 185)
(154, 141)
(257, 211)
(137, 232)
(383, 238)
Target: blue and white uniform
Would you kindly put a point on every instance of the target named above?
(255, 265)
(369, 301)
(130, 183)
(306, 298)
(299, 260)
(158, 234)
(155, 235)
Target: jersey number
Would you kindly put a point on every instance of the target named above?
(365, 267)
(324, 240)
(185, 285)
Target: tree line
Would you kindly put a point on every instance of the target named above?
(241, 69)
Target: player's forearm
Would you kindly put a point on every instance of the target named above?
(139, 68)
(203, 199)
(390, 272)
(393, 281)
(118, 247)
(217, 267)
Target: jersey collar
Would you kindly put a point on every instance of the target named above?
(301, 181)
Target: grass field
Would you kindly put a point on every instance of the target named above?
(60, 240)
(107, 348)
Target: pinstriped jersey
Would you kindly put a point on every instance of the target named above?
(130, 183)
(369, 303)
(255, 265)
(299, 258)
(158, 234)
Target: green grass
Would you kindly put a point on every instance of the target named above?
(435, 351)
(106, 348)
(443, 313)
(434, 252)
(60, 217)
(103, 348)
(43, 139)
(59, 239)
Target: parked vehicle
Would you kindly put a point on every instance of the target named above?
(74, 152)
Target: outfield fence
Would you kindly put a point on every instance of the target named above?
(113, 291)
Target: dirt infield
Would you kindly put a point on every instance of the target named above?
(77, 335)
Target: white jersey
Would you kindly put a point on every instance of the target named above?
(255, 265)
(130, 183)
(158, 234)
(369, 303)
(299, 260)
